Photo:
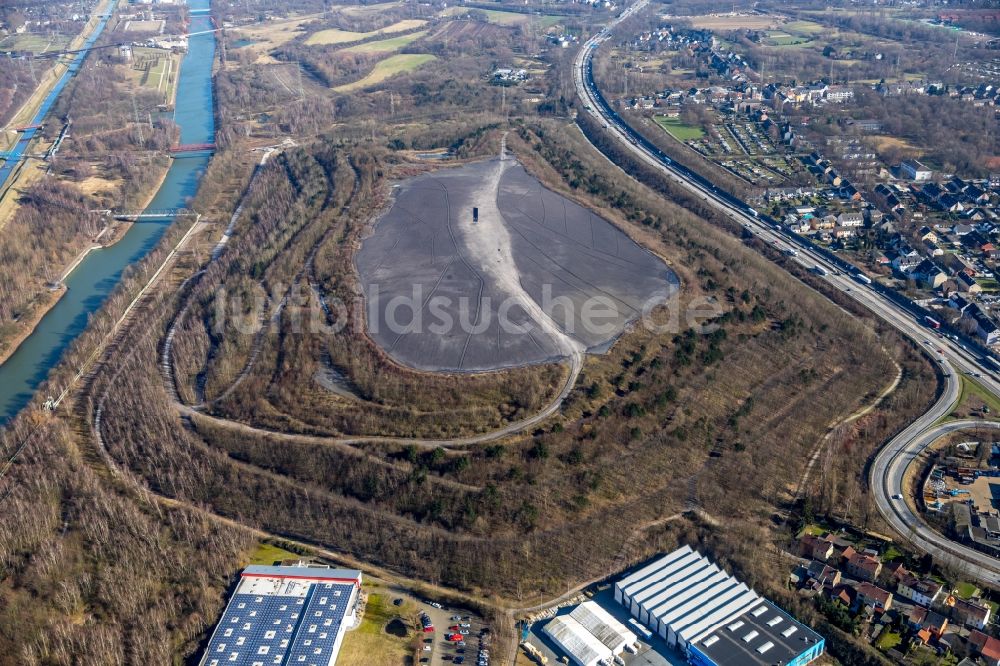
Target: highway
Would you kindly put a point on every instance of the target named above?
(953, 354)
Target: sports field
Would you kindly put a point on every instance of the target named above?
(336, 36)
(34, 43)
(397, 64)
(679, 129)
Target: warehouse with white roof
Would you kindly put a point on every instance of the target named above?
(582, 647)
(589, 635)
(711, 617)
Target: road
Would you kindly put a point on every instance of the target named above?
(953, 355)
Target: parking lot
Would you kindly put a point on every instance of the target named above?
(453, 622)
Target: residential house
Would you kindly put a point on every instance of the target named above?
(971, 613)
(986, 328)
(874, 597)
(924, 592)
(904, 263)
(914, 170)
(967, 284)
(986, 646)
(863, 566)
(815, 547)
(921, 618)
(839, 94)
(823, 573)
(927, 235)
(851, 219)
(928, 274)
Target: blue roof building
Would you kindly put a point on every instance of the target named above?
(294, 616)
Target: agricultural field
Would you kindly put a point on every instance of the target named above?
(336, 36)
(34, 43)
(391, 66)
(386, 45)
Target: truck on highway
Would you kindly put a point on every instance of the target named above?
(932, 322)
(862, 278)
(819, 270)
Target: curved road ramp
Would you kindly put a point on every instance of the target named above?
(479, 268)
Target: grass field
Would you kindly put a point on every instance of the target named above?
(989, 284)
(803, 27)
(972, 391)
(888, 640)
(336, 36)
(362, 10)
(269, 554)
(781, 38)
(273, 34)
(144, 26)
(397, 64)
(730, 22)
(966, 590)
(34, 43)
(369, 643)
(386, 45)
(679, 129)
(506, 18)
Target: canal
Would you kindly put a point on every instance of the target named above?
(90, 284)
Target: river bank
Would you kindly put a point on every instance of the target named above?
(112, 233)
(95, 277)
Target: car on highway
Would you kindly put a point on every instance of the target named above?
(897, 496)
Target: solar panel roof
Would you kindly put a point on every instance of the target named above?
(263, 629)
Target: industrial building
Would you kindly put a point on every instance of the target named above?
(285, 615)
(711, 617)
(589, 635)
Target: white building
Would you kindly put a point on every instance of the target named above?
(580, 645)
(285, 615)
(914, 170)
(711, 617)
(589, 635)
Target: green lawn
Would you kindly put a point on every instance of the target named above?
(268, 554)
(988, 284)
(679, 129)
(891, 553)
(888, 640)
(803, 27)
(397, 64)
(970, 387)
(966, 590)
(386, 45)
(369, 643)
(814, 530)
(34, 43)
(778, 38)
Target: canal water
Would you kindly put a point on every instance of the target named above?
(89, 285)
(14, 156)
